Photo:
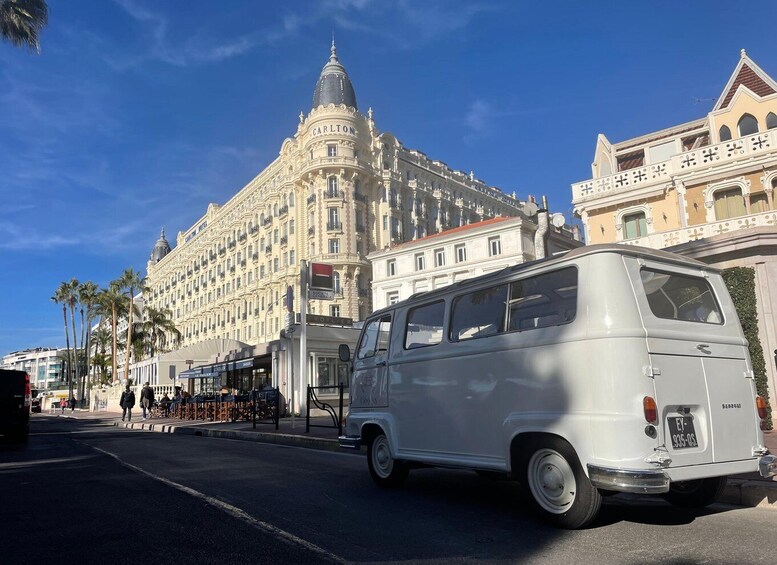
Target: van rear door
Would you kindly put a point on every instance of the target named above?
(699, 362)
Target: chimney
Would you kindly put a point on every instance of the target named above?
(541, 235)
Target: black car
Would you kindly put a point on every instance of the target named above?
(15, 404)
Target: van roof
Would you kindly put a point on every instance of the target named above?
(632, 250)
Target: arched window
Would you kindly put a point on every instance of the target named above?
(291, 199)
(771, 120)
(725, 133)
(634, 225)
(275, 210)
(284, 201)
(729, 203)
(747, 125)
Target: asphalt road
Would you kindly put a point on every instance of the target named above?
(89, 493)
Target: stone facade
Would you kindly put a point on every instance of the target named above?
(339, 190)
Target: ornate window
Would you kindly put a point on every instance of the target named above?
(759, 202)
(633, 222)
(747, 125)
(724, 133)
(332, 186)
(634, 225)
(729, 203)
(771, 120)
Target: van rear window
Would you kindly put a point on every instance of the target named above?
(673, 296)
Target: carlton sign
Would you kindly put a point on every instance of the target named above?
(344, 129)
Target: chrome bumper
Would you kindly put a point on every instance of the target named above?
(622, 480)
(350, 442)
(767, 466)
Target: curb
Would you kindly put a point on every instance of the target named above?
(262, 437)
(754, 494)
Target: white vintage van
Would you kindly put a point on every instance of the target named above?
(608, 369)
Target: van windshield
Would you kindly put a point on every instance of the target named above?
(680, 297)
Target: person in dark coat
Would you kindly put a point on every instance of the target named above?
(146, 399)
(127, 402)
(72, 403)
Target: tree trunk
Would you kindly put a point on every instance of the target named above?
(67, 345)
(129, 338)
(114, 374)
(83, 377)
(75, 349)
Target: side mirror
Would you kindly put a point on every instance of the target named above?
(344, 353)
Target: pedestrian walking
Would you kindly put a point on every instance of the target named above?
(127, 402)
(62, 404)
(146, 399)
(72, 404)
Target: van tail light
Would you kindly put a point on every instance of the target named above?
(27, 390)
(650, 410)
(760, 404)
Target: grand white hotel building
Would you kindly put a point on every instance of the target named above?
(338, 190)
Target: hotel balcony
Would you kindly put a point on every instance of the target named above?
(723, 155)
(664, 239)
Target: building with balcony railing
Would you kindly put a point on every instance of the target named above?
(460, 253)
(45, 365)
(704, 188)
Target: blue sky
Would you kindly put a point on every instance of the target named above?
(138, 113)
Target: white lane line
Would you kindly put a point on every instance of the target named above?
(233, 511)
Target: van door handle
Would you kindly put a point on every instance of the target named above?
(704, 348)
(380, 364)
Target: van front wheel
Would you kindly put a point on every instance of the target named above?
(386, 471)
(560, 490)
(695, 494)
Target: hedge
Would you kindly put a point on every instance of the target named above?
(741, 285)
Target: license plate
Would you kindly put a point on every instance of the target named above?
(682, 432)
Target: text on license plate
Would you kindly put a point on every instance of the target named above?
(682, 432)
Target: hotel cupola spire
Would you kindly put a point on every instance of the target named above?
(334, 86)
(161, 248)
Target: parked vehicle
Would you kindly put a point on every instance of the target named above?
(608, 369)
(37, 398)
(15, 403)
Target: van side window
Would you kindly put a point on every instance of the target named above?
(480, 313)
(679, 297)
(549, 299)
(375, 338)
(424, 325)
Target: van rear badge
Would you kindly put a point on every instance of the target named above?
(731, 405)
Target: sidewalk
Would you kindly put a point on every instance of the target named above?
(742, 490)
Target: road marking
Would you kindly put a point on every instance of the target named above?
(227, 508)
(57, 461)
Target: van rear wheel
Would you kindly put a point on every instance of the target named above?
(695, 494)
(386, 471)
(559, 489)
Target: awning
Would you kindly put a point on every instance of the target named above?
(188, 374)
(244, 364)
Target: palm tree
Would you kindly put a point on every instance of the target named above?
(157, 326)
(87, 296)
(61, 297)
(72, 299)
(101, 337)
(111, 301)
(22, 20)
(132, 282)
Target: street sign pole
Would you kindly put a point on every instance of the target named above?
(303, 335)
